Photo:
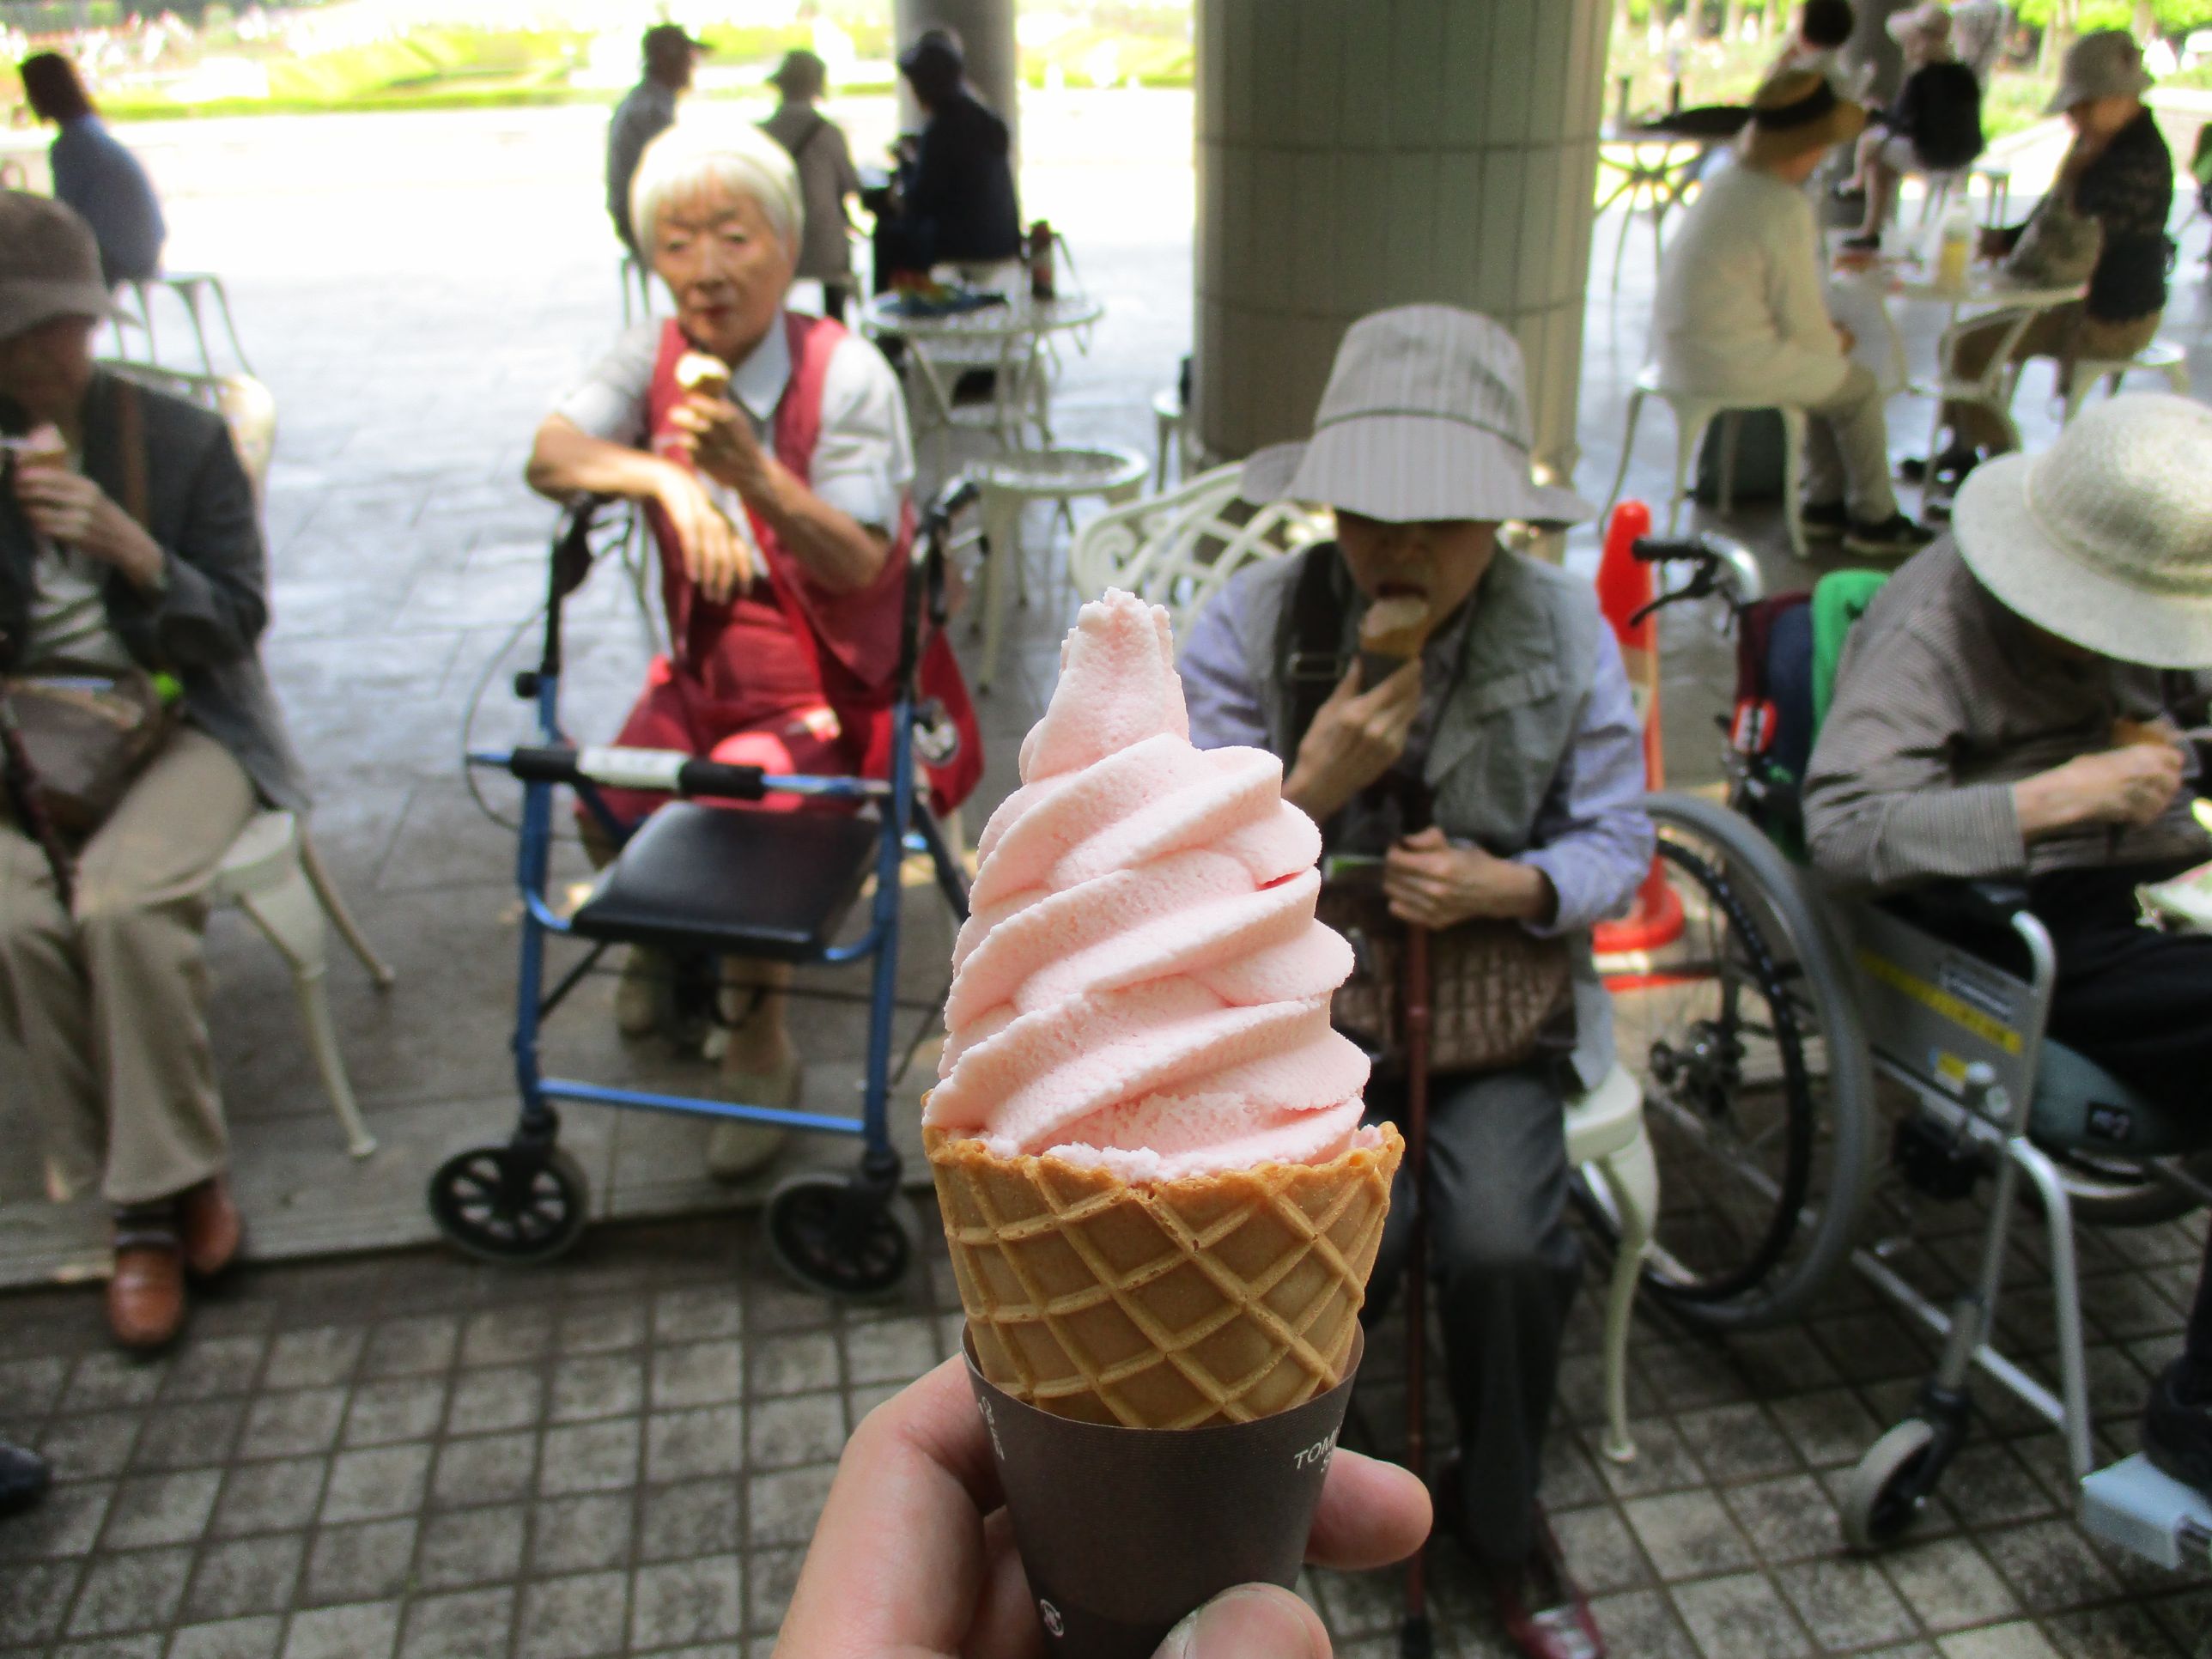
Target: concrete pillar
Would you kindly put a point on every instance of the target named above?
(986, 28)
(1352, 157)
(1870, 45)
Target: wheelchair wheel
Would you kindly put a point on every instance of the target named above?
(830, 1238)
(502, 1204)
(1758, 1092)
(1886, 1490)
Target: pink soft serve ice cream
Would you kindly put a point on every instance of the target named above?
(1141, 983)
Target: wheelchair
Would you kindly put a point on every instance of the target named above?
(702, 881)
(1763, 1029)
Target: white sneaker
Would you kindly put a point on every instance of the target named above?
(737, 1149)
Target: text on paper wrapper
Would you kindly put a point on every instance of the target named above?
(1319, 1453)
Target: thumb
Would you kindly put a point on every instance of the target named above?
(1253, 1622)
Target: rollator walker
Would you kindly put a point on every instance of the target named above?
(701, 881)
(1761, 1034)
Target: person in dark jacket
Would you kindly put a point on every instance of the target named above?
(646, 112)
(95, 174)
(129, 540)
(955, 199)
(1934, 124)
(2119, 173)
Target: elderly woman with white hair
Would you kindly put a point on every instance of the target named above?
(775, 484)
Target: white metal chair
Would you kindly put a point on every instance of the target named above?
(193, 289)
(1009, 482)
(1180, 548)
(2159, 357)
(272, 871)
(273, 874)
(1693, 413)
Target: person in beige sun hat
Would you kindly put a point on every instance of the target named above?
(2024, 702)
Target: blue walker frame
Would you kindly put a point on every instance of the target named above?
(554, 761)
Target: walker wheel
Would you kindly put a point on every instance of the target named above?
(500, 1203)
(832, 1238)
(1886, 1490)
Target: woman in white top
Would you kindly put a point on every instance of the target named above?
(1740, 312)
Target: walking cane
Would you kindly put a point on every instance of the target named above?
(27, 801)
(1415, 1640)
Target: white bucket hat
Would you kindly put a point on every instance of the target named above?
(2104, 64)
(2105, 538)
(1424, 417)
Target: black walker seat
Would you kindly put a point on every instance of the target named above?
(801, 875)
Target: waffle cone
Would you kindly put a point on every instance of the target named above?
(1168, 1304)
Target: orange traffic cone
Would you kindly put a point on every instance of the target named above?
(1624, 587)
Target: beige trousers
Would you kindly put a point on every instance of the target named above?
(107, 1002)
(1847, 449)
(2064, 333)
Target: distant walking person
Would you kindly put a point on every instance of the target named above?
(956, 200)
(826, 176)
(95, 174)
(648, 111)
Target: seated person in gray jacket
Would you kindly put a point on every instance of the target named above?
(2014, 705)
(1496, 774)
(104, 998)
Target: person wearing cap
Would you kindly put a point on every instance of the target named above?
(95, 173)
(105, 997)
(646, 111)
(1739, 313)
(1497, 774)
(778, 501)
(826, 175)
(1933, 125)
(955, 203)
(2020, 702)
(2118, 172)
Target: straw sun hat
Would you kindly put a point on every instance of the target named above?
(1424, 417)
(1797, 110)
(2105, 538)
(2103, 64)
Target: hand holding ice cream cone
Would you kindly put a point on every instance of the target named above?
(1148, 1142)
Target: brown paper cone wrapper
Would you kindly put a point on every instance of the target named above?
(1173, 1304)
(1123, 1531)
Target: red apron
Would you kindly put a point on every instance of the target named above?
(788, 674)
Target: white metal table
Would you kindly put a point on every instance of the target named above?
(1012, 341)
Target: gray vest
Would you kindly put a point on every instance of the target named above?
(1503, 735)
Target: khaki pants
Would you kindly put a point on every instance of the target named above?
(2063, 333)
(108, 1003)
(1847, 449)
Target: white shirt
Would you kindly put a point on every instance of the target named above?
(1740, 306)
(69, 607)
(863, 462)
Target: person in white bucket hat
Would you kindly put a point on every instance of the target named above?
(1455, 715)
(2023, 701)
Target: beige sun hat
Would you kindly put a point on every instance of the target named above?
(1929, 22)
(2103, 64)
(2105, 538)
(1424, 417)
(1796, 111)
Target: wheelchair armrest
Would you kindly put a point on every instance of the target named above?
(1994, 902)
(1978, 913)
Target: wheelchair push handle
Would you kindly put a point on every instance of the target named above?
(655, 770)
(1718, 565)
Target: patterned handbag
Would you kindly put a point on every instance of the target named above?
(1498, 995)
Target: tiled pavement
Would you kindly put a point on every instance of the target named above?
(408, 1453)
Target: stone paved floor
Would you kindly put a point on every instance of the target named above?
(408, 1453)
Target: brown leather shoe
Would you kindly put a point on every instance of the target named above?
(208, 1225)
(146, 1297)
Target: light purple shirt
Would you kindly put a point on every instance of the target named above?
(1591, 837)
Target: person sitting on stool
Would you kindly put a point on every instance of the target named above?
(1933, 125)
(955, 202)
(1496, 774)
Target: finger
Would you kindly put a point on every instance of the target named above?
(1251, 1619)
(1430, 836)
(1346, 688)
(1371, 1514)
(918, 1472)
(1006, 1625)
